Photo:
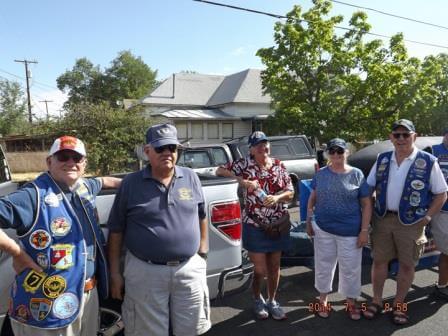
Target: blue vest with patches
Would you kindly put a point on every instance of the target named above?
(415, 197)
(52, 299)
(441, 153)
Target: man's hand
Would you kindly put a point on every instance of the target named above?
(116, 286)
(22, 261)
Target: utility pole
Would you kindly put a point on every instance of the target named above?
(46, 106)
(26, 62)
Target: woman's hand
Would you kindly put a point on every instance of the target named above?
(309, 227)
(271, 200)
(251, 185)
(23, 261)
(363, 239)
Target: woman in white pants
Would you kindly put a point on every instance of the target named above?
(341, 205)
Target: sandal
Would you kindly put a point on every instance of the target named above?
(353, 311)
(371, 311)
(399, 317)
(321, 310)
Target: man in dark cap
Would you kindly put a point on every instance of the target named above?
(159, 212)
(439, 223)
(61, 256)
(409, 190)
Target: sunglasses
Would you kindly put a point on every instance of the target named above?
(161, 149)
(338, 150)
(403, 135)
(65, 156)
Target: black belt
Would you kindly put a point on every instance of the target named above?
(390, 212)
(163, 263)
(167, 263)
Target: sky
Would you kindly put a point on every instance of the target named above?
(172, 35)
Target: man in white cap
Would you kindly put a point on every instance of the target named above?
(159, 215)
(60, 256)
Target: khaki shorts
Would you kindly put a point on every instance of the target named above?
(390, 239)
(439, 230)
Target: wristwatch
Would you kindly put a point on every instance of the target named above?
(203, 255)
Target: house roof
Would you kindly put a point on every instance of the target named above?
(192, 89)
(196, 114)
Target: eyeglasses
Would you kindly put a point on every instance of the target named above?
(338, 150)
(403, 135)
(66, 156)
(161, 149)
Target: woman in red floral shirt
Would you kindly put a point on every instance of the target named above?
(268, 189)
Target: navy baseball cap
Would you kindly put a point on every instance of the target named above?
(256, 137)
(337, 142)
(404, 123)
(161, 135)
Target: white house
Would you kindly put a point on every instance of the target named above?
(210, 108)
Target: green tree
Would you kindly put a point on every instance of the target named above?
(12, 108)
(325, 84)
(111, 135)
(128, 77)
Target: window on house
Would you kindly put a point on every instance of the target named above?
(182, 131)
(197, 130)
(213, 131)
(227, 130)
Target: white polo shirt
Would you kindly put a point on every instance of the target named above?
(397, 178)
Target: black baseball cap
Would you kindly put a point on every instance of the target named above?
(403, 123)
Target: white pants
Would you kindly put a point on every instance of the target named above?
(329, 250)
(158, 294)
(87, 323)
(439, 230)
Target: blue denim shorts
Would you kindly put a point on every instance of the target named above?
(256, 240)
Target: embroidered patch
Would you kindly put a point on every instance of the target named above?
(40, 308)
(54, 286)
(22, 313)
(415, 198)
(33, 281)
(61, 256)
(417, 184)
(381, 168)
(65, 306)
(384, 160)
(60, 226)
(40, 239)
(51, 200)
(42, 260)
(185, 194)
(420, 211)
(420, 163)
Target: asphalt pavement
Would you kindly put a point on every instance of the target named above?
(232, 315)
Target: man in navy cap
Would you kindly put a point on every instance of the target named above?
(439, 223)
(409, 190)
(61, 256)
(159, 212)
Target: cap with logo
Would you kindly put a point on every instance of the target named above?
(161, 135)
(68, 142)
(403, 123)
(337, 142)
(256, 137)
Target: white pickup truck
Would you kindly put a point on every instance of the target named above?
(227, 268)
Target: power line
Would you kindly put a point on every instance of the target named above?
(390, 14)
(302, 20)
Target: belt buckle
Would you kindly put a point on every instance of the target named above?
(173, 263)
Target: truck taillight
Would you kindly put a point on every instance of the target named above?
(226, 217)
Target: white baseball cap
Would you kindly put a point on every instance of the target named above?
(68, 142)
